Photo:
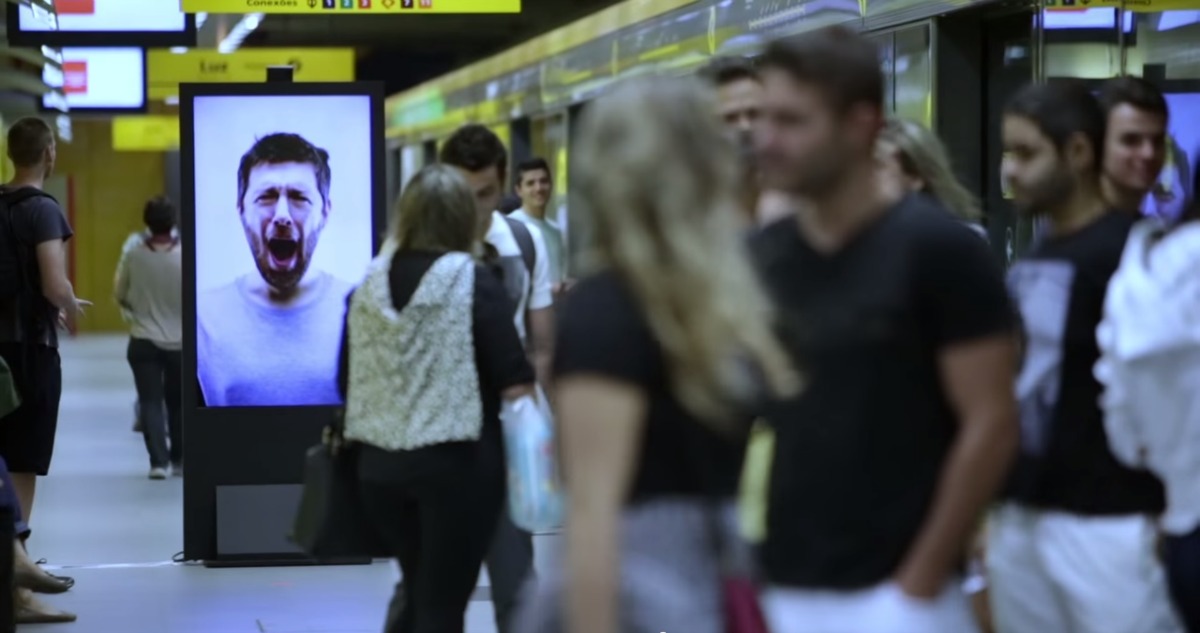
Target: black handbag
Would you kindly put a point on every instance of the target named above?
(330, 522)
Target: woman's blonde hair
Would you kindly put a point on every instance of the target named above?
(923, 156)
(436, 212)
(658, 187)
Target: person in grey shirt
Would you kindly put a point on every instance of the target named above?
(135, 241)
(148, 289)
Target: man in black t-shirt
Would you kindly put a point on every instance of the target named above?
(34, 234)
(899, 317)
(1073, 549)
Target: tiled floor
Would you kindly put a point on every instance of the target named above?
(116, 531)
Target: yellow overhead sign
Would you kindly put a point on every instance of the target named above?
(167, 70)
(352, 7)
(145, 133)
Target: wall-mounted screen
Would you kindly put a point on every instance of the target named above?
(284, 194)
(148, 23)
(1175, 185)
(99, 80)
(1088, 25)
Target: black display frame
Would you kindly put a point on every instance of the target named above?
(115, 111)
(248, 446)
(98, 39)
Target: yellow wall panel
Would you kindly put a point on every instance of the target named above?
(6, 166)
(109, 189)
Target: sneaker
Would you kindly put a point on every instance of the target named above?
(177, 470)
(158, 472)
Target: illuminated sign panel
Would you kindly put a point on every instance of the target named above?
(351, 7)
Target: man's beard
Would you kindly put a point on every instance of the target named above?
(1047, 194)
(298, 254)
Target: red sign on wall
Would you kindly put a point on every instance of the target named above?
(75, 7)
(75, 79)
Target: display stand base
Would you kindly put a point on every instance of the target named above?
(233, 563)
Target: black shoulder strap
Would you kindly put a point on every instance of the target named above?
(525, 242)
(13, 197)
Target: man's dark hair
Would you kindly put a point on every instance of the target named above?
(1135, 91)
(285, 148)
(160, 215)
(473, 147)
(1062, 109)
(28, 140)
(533, 164)
(728, 69)
(838, 60)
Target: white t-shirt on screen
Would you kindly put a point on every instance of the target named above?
(516, 275)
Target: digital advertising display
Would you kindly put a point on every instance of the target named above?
(284, 211)
(99, 79)
(103, 23)
(1168, 200)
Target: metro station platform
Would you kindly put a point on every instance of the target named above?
(100, 519)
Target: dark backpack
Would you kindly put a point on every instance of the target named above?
(525, 243)
(14, 279)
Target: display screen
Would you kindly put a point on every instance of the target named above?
(1170, 196)
(283, 231)
(99, 79)
(1093, 18)
(109, 16)
(102, 23)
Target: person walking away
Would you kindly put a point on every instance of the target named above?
(429, 354)
(1149, 367)
(1071, 548)
(517, 253)
(149, 290)
(135, 241)
(884, 465)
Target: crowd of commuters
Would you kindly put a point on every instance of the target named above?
(765, 259)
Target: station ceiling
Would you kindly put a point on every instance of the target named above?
(425, 46)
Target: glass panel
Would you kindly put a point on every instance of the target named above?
(913, 96)
(887, 60)
(549, 140)
(1083, 43)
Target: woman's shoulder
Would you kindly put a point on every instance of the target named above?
(604, 290)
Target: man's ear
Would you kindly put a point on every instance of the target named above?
(1080, 153)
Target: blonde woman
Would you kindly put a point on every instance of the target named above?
(430, 351)
(663, 348)
(914, 158)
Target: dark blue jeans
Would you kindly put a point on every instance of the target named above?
(1183, 575)
(157, 374)
(8, 499)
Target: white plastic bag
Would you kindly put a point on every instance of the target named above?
(534, 493)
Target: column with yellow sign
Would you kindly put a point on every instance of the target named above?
(167, 70)
(153, 133)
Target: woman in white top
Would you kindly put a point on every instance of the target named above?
(149, 291)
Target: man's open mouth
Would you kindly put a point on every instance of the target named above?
(283, 253)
